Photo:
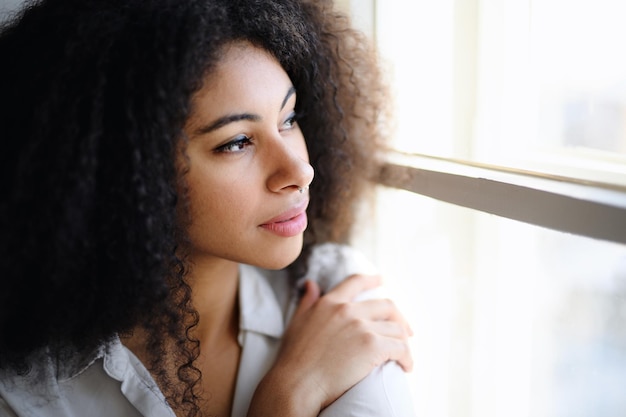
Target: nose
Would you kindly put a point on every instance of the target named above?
(290, 169)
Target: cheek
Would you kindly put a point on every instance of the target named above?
(217, 205)
(207, 200)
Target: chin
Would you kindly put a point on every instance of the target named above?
(281, 256)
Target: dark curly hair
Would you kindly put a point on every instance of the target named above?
(94, 97)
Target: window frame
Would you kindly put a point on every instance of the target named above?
(587, 209)
(583, 207)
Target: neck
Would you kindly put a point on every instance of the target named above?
(214, 288)
(214, 285)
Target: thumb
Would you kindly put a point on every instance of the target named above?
(311, 295)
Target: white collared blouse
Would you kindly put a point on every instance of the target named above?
(113, 382)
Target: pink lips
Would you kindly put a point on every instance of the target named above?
(290, 223)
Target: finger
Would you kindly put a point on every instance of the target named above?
(390, 329)
(353, 286)
(400, 352)
(378, 309)
(381, 310)
(406, 363)
(311, 295)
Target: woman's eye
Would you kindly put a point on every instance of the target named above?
(290, 122)
(236, 145)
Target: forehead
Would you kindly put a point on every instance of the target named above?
(246, 80)
(244, 67)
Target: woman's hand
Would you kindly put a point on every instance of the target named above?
(331, 344)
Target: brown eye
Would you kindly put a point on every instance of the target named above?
(236, 145)
(290, 122)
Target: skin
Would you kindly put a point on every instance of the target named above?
(245, 161)
(246, 170)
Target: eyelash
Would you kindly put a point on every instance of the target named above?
(292, 120)
(241, 141)
(235, 145)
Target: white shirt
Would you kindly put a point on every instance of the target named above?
(113, 382)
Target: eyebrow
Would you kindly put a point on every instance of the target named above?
(291, 92)
(231, 118)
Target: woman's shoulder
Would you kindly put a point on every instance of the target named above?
(46, 364)
(331, 263)
(272, 292)
(34, 388)
(328, 264)
(107, 380)
(384, 392)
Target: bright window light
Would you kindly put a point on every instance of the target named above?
(510, 319)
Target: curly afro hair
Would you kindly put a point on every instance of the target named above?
(94, 97)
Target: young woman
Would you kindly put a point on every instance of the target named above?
(178, 177)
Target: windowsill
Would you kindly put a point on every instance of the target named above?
(587, 209)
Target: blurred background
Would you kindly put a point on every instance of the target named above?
(511, 319)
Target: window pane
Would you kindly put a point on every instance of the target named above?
(532, 85)
(416, 40)
(581, 71)
(509, 319)
(552, 87)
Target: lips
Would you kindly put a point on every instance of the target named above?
(290, 223)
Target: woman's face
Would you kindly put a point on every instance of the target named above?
(247, 162)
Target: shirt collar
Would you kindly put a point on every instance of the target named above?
(264, 299)
(260, 302)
